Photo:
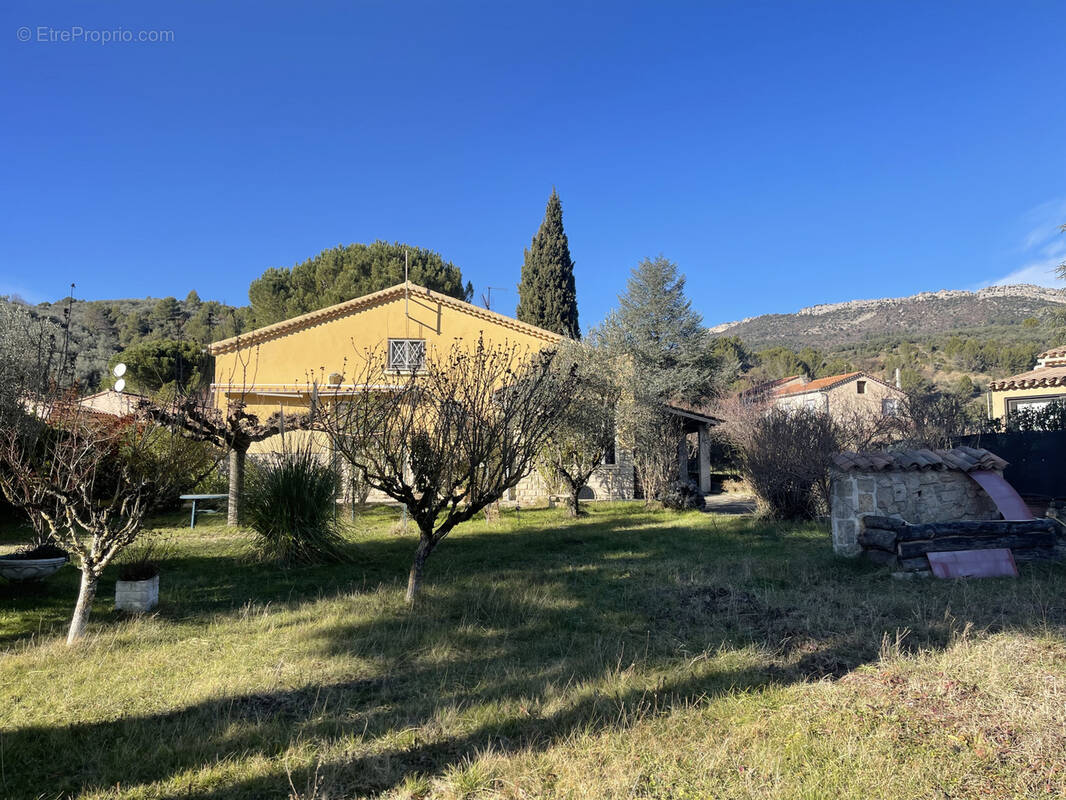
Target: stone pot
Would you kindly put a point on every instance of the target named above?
(137, 595)
(29, 569)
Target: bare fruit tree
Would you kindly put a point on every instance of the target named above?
(450, 437)
(92, 478)
(235, 429)
(585, 432)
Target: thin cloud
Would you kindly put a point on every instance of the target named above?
(1041, 274)
(1041, 250)
(7, 290)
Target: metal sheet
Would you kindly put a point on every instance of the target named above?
(974, 564)
(1008, 501)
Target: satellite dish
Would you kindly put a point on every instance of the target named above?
(120, 384)
(120, 370)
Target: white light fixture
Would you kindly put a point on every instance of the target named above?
(120, 370)
(120, 384)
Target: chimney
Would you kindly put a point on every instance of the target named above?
(805, 378)
(897, 378)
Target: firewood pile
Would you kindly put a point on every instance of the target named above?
(904, 546)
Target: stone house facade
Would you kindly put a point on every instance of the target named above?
(916, 486)
(838, 395)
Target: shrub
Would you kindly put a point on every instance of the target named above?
(787, 461)
(188, 463)
(291, 505)
(141, 562)
(783, 455)
(682, 496)
(33, 552)
(1051, 417)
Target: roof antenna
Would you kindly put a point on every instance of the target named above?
(486, 298)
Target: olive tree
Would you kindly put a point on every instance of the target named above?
(28, 352)
(585, 432)
(451, 437)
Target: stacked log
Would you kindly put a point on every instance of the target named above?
(901, 545)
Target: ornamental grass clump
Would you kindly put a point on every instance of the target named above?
(291, 505)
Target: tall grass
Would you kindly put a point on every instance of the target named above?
(629, 654)
(291, 506)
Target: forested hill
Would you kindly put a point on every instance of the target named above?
(156, 333)
(921, 315)
(100, 329)
(955, 340)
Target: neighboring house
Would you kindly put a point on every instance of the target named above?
(112, 403)
(274, 368)
(1030, 390)
(836, 395)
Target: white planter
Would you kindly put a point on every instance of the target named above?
(137, 595)
(29, 569)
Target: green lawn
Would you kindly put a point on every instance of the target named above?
(631, 654)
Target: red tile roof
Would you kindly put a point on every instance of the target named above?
(964, 459)
(1033, 379)
(817, 385)
(1055, 352)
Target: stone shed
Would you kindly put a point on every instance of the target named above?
(916, 486)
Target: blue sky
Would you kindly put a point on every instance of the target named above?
(782, 154)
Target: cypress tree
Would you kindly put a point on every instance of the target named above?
(547, 296)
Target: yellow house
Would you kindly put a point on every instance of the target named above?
(275, 368)
(1033, 389)
(280, 366)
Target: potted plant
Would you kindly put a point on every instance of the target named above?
(33, 562)
(137, 587)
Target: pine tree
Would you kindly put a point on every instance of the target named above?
(656, 326)
(546, 296)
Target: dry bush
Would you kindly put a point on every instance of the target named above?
(783, 455)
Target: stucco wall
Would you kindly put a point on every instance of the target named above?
(278, 371)
(999, 399)
(916, 497)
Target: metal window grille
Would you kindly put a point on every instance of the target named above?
(407, 354)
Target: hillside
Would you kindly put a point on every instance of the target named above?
(100, 329)
(831, 326)
(952, 340)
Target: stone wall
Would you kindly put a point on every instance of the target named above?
(608, 482)
(938, 495)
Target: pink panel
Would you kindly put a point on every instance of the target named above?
(1007, 500)
(974, 564)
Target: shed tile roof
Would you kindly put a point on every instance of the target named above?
(964, 459)
(1033, 379)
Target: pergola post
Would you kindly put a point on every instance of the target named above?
(704, 432)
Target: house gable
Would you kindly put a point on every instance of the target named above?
(288, 356)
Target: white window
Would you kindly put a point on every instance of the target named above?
(890, 407)
(1033, 403)
(407, 354)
